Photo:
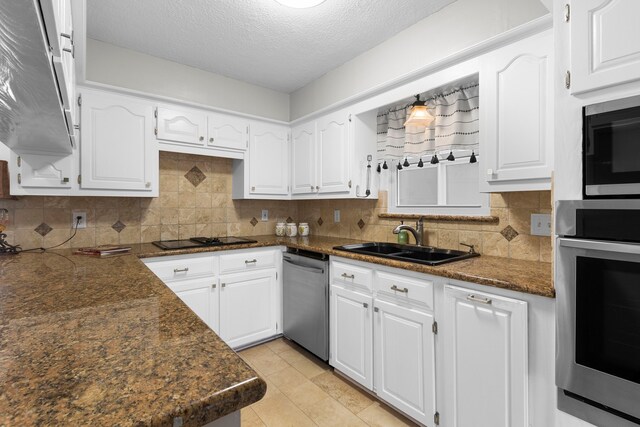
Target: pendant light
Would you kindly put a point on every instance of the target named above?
(399, 166)
(378, 169)
(451, 157)
(473, 159)
(434, 160)
(420, 115)
(384, 165)
(420, 164)
(406, 163)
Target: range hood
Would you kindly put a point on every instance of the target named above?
(32, 117)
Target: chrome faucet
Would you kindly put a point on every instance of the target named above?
(417, 232)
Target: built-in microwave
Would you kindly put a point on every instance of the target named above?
(611, 149)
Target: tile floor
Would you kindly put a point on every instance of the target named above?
(302, 391)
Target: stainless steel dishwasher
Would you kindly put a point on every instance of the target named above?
(306, 300)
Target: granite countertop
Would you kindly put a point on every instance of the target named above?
(90, 341)
(523, 276)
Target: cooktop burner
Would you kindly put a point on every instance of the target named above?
(199, 242)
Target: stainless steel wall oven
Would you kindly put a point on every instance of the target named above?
(598, 310)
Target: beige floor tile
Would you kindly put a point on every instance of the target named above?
(328, 412)
(267, 363)
(345, 393)
(378, 415)
(249, 418)
(305, 362)
(279, 411)
(306, 396)
(254, 352)
(287, 379)
(280, 345)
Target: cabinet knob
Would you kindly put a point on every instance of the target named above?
(318, 187)
(253, 188)
(365, 305)
(202, 138)
(312, 188)
(224, 285)
(213, 286)
(490, 172)
(210, 139)
(148, 185)
(65, 180)
(376, 309)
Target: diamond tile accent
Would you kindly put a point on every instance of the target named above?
(509, 233)
(289, 219)
(320, 221)
(253, 221)
(43, 229)
(195, 176)
(118, 226)
(361, 224)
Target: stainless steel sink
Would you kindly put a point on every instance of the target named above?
(411, 253)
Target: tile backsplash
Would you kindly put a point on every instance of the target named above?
(195, 199)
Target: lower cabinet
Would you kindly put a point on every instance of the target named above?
(485, 359)
(201, 296)
(405, 359)
(350, 331)
(248, 307)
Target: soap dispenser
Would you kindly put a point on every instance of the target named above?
(403, 236)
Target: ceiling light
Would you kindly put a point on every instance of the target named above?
(420, 115)
(300, 4)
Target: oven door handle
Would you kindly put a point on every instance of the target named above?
(599, 245)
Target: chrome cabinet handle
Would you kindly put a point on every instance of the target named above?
(365, 305)
(71, 50)
(348, 276)
(403, 290)
(481, 300)
(181, 270)
(253, 261)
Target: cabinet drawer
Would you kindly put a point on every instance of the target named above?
(247, 260)
(182, 267)
(405, 288)
(349, 274)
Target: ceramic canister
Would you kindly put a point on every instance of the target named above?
(281, 229)
(303, 229)
(292, 229)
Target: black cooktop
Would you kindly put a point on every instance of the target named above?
(199, 242)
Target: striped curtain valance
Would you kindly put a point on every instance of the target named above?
(456, 125)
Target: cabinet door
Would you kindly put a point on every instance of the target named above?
(405, 360)
(605, 43)
(516, 113)
(46, 171)
(248, 307)
(117, 150)
(351, 335)
(201, 296)
(184, 127)
(269, 159)
(303, 163)
(333, 153)
(227, 132)
(485, 359)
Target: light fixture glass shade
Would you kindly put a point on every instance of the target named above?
(300, 4)
(420, 116)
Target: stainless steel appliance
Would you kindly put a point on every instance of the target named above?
(598, 311)
(306, 300)
(199, 242)
(611, 151)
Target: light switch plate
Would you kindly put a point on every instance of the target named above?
(540, 224)
(336, 215)
(265, 214)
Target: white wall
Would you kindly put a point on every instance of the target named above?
(125, 68)
(457, 26)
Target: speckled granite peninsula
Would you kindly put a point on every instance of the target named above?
(88, 341)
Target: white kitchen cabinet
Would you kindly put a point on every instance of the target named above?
(249, 307)
(182, 126)
(516, 116)
(117, 148)
(333, 153)
(351, 334)
(303, 162)
(605, 43)
(42, 173)
(228, 132)
(485, 359)
(404, 357)
(201, 296)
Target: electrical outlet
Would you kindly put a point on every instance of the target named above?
(336, 215)
(540, 225)
(265, 214)
(83, 219)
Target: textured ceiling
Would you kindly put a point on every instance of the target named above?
(257, 41)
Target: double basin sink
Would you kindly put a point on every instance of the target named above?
(410, 253)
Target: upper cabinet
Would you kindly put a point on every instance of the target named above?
(181, 126)
(268, 159)
(303, 159)
(227, 132)
(605, 43)
(333, 153)
(117, 148)
(516, 116)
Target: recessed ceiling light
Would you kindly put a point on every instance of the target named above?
(300, 4)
